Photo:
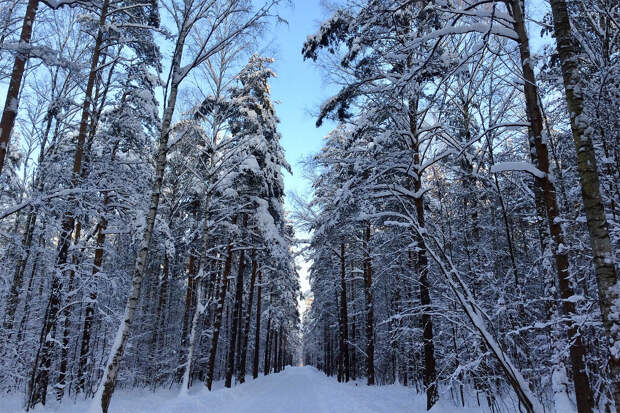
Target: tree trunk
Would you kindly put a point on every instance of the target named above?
(159, 316)
(606, 275)
(583, 391)
(189, 298)
(246, 329)
(186, 369)
(344, 318)
(12, 300)
(257, 332)
(370, 333)
(66, 314)
(11, 103)
(230, 364)
(219, 312)
(430, 376)
(266, 365)
(89, 313)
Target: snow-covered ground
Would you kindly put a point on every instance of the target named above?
(296, 390)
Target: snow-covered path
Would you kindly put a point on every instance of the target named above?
(305, 390)
(295, 390)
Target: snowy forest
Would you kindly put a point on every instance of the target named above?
(461, 233)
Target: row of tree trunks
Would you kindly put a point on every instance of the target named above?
(583, 390)
(66, 315)
(106, 388)
(40, 375)
(219, 311)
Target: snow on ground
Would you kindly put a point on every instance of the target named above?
(296, 390)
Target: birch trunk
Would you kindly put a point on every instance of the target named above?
(186, 369)
(106, 387)
(606, 273)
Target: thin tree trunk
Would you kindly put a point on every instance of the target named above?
(268, 346)
(370, 333)
(186, 369)
(598, 227)
(353, 330)
(344, 317)
(257, 332)
(90, 304)
(12, 300)
(161, 303)
(246, 329)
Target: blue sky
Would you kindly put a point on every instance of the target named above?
(299, 88)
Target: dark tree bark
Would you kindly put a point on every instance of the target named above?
(266, 365)
(159, 321)
(11, 104)
(276, 349)
(232, 345)
(12, 300)
(246, 328)
(370, 322)
(89, 313)
(430, 375)
(257, 332)
(219, 312)
(344, 318)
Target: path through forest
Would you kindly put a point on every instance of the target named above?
(295, 390)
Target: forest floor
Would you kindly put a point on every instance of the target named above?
(295, 390)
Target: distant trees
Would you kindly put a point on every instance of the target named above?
(460, 197)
